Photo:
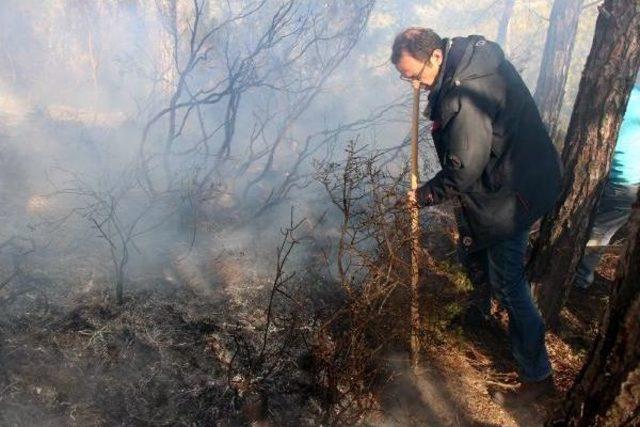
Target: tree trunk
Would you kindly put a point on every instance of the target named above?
(168, 14)
(607, 391)
(503, 28)
(602, 99)
(556, 59)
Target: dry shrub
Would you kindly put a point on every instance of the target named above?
(315, 354)
(372, 255)
(372, 260)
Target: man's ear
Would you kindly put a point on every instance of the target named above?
(436, 58)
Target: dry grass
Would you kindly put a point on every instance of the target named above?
(175, 355)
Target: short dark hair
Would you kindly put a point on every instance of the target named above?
(417, 42)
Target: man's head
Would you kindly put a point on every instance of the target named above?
(417, 54)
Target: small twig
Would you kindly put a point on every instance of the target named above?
(283, 252)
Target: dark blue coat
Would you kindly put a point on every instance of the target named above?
(496, 155)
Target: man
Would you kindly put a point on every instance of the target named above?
(619, 192)
(500, 165)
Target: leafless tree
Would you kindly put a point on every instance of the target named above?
(269, 78)
(554, 70)
(503, 27)
(117, 212)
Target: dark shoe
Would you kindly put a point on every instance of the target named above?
(525, 394)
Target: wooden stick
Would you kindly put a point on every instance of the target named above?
(415, 233)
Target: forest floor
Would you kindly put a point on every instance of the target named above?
(163, 358)
(451, 389)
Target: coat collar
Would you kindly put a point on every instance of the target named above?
(456, 49)
(443, 67)
(465, 58)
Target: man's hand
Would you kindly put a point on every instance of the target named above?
(419, 197)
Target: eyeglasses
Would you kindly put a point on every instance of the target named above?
(418, 77)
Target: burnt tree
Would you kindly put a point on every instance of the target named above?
(607, 391)
(603, 94)
(556, 58)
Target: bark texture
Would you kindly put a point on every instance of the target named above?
(503, 27)
(556, 59)
(607, 391)
(602, 99)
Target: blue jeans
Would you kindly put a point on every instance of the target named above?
(499, 270)
(614, 208)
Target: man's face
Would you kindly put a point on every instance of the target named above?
(424, 71)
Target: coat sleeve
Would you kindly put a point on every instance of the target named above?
(467, 141)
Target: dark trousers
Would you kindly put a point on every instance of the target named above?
(499, 271)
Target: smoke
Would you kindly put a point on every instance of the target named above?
(159, 127)
(102, 184)
(154, 142)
